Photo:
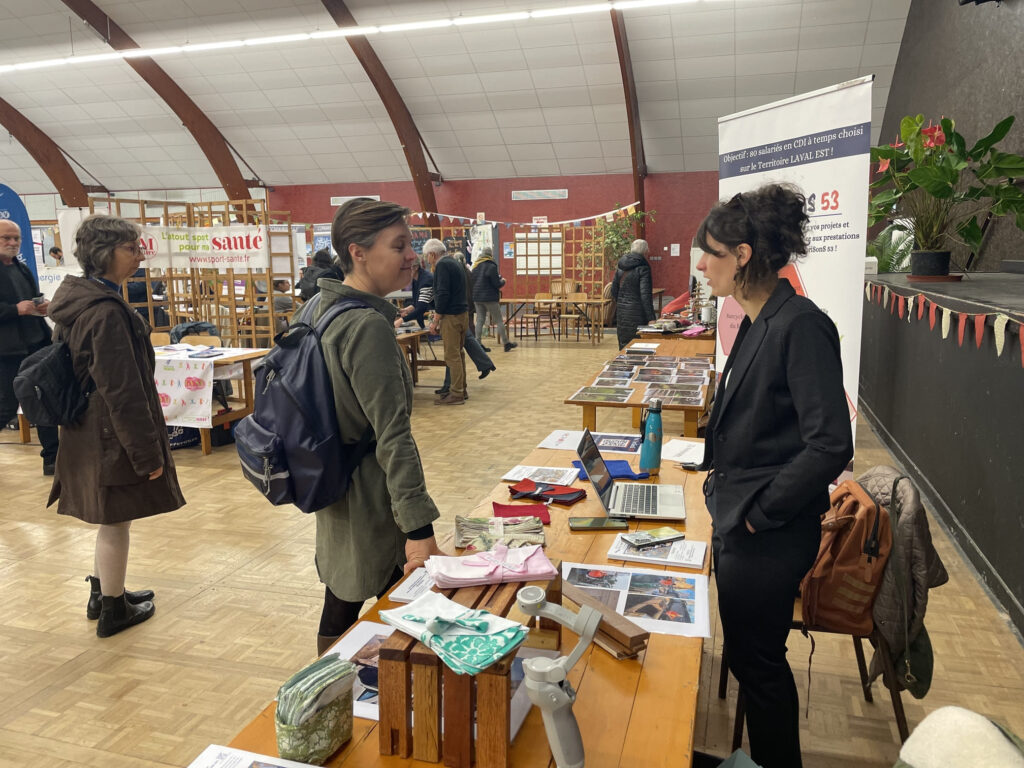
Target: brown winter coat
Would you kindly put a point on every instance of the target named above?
(105, 460)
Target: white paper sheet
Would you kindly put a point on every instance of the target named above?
(554, 475)
(664, 602)
(215, 756)
(683, 451)
(569, 440)
(414, 585)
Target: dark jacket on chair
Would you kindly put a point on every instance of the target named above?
(631, 289)
(779, 431)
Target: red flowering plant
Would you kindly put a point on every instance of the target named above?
(931, 185)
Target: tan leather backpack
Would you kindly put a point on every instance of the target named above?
(856, 539)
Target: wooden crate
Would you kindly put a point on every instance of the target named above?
(427, 711)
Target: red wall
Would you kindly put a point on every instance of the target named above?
(680, 200)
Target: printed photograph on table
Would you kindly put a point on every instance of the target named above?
(602, 395)
(651, 378)
(569, 439)
(361, 646)
(608, 373)
(599, 578)
(614, 366)
(668, 389)
(659, 608)
(690, 402)
(654, 370)
(619, 383)
(668, 359)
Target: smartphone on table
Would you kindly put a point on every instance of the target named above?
(598, 524)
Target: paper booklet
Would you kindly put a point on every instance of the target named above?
(552, 475)
(414, 585)
(683, 451)
(226, 757)
(683, 553)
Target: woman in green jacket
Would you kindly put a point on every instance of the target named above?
(383, 524)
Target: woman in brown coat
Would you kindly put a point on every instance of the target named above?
(115, 465)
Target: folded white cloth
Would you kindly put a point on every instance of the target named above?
(494, 566)
(466, 640)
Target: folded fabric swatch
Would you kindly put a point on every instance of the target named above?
(695, 330)
(619, 469)
(497, 566)
(312, 688)
(466, 640)
(479, 534)
(540, 511)
(557, 494)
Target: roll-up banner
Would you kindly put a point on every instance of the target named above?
(820, 143)
(13, 209)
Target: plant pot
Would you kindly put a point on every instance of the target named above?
(929, 263)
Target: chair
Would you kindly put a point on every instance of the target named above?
(888, 677)
(159, 338)
(209, 341)
(543, 307)
(577, 314)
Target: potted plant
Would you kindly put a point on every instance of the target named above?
(931, 185)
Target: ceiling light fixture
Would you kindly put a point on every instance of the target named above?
(494, 18)
(412, 26)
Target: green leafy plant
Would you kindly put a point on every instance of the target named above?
(932, 185)
(891, 248)
(612, 239)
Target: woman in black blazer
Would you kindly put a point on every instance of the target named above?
(779, 433)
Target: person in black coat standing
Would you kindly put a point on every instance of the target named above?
(23, 330)
(779, 433)
(631, 289)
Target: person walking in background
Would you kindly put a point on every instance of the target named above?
(23, 330)
(631, 289)
(487, 285)
(477, 352)
(451, 316)
(779, 433)
(383, 524)
(323, 266)
(115, 465)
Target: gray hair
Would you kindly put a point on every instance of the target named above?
(97, 237)
(433, 245)
(641, 247)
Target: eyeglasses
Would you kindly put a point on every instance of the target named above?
(135, 248)
(11, 238)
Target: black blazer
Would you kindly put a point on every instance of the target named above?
(779, 430)
(11, 323)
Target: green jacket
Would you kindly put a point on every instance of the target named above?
(361, 538)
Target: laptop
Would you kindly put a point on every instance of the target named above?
(643, 501)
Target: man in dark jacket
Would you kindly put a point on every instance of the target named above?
(487, 285)
(452, 316)
(422, 294)
(631, 289)
(323, 266)
(22, 330)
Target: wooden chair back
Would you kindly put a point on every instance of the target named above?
(159, 338)
(204, 339)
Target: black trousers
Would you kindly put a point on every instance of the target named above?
(758, 577)
(9, 402)
(338, 615)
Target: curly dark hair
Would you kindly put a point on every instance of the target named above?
(97, 237)
(771, 220)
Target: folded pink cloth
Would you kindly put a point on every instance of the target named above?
(494, 566)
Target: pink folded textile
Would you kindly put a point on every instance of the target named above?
(494, 566)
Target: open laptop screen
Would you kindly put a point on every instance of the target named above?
(596, 469)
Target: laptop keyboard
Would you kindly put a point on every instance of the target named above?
(640, 499)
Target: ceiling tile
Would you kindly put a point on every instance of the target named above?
(493, 170)
(661, 129)
(829, 58)
(766, 63)
(478, 138)
(526, 135)
(654, 49)
(659, 110)
(451, 84)
(768, 40)
(700, 145)
(882, 54)
(518, 80)
(753, 85)
(493, 153)
(514, 100)
(518, 152)
(769, 17)
(663, 146)
(570, 167)
(889, 9)
(564, 97)
(711, 66)
(822, 78)
(573, 149)
(569, 115)
(707, 88)
(833, 35)
(701, 163)
(613, 131)
(534, 168)
(563, 133)
(517, 118)
(665, 163)
(653, 71)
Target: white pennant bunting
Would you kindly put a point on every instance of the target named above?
(885, 297)
(947, 314)
(867, 291)
(1000, 329)
(910, 307)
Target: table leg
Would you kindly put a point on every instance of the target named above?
(248, 385)
(414, 350)
(205, 442)
(690, 419)
(590, 417)
(637, 417)
(24, 428)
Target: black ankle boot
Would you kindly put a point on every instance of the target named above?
(92, 608)
(118, 614)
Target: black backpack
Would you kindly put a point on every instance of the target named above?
(47, 388)
(290, 446)
(307, 285)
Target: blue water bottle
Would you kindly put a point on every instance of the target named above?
(650, 450)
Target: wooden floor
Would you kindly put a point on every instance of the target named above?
(238, 599)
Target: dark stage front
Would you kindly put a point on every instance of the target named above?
(953, 412)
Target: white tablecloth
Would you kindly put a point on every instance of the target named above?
(185, 384)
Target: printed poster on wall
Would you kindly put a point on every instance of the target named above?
(819, 142)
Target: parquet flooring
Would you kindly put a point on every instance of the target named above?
(238, 599)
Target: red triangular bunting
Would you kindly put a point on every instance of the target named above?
(960, 326)
(903, 306)
(878, 294)
(892, 303)
(979, 329)
(920, 307)
(931, 315)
